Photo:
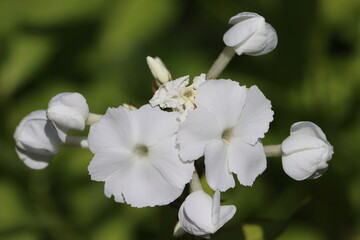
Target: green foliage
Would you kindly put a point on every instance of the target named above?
(98, 48)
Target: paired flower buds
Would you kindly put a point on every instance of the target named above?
(250, 35)
(39, 135)
(306, 151)
(158, 70)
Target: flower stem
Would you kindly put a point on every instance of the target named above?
(93, 118)
(195, 183)
(76, 141)
(221, 62)
(273, 150)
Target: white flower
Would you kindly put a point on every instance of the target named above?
(201, 215)
(226, 127)
(178, 95)
(68, 111)
(136, 156)
(306, 151)
(37, 140)
(250, 35)
(158, 70)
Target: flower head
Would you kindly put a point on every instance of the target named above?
(202, 215)
(306, 151)
(178, 95)
(136, 156)
(250, 35)
(226, 127)
(37, 140)
(68, 111)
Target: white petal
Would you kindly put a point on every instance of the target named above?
(106, 163)
(165, 157)
(246, 161)
(255, 117)
(301, 165)
(242, 16)
(308, 128)
(270, 42)
(33, 160)
(299, 142)
(199, 128)
(216, 209)
(116, 129)
(197, 210)
(146, 187)
(187, 224)
(37, 135)
(217, 171)
(242, 31)
(255, 44)
(68, 110)
(154, 124)
(224, 98)
(226, 213)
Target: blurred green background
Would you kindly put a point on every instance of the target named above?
(98, 48)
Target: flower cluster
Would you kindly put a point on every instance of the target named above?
(146, 156)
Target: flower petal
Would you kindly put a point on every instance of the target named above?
(224, 98)
(165, 157)
(218, 175)
(242, 31)
(154, 124)
(197, 210)
(33, 160)
(199, 128)
(242, 16)
(255, 117)
(188, 225)
(106, 163)
(226, 213)
(146, 187)
(303, 164)
(116, 129)
(216, 209)
(308, 128)
(298, 142)
(246, 161)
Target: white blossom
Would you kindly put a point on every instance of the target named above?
(37, 140)
(178, 95)
(306, 151)
(226, 127)
(202, 215)
(68, 111)
(250, 35)
(136, 156)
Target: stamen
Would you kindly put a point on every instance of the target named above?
(226, 136)
(141, 151)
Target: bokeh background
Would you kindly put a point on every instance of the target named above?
(98, 48)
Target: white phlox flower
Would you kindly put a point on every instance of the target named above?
(226, 127)
(178, 95)
(202, 215)
(37, 140)
(306, 151)
(250, 35)
(158, 70)
(68, 111)
(136, 156)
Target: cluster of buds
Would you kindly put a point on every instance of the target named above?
(146, 156)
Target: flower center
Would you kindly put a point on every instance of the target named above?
(226, 135)
(141, 151)
(188, 94)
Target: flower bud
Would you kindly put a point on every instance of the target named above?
(158, 70)
(37, 140)
(68, 111)
(250, 35)
(306, 151)
(202, 215)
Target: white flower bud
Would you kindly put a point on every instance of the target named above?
(37, 140)
(68, 111)
(202, 215)
(306, 151)
(158, 70)
(250, 35)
